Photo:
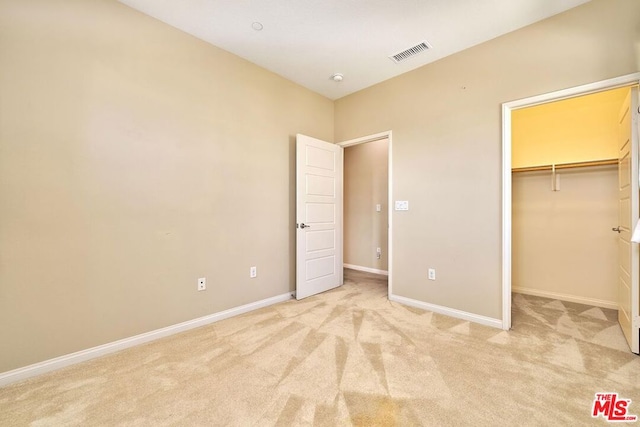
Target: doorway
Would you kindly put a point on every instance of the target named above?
(507, 110)
(367, 204)
(565, 199)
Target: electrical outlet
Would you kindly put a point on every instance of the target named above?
(253, 272)
(432, 274)
(202, 284)
(378, 253)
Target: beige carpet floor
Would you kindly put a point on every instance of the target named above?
(348, 357)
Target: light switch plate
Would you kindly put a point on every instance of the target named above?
(402, 205)
(378, 208)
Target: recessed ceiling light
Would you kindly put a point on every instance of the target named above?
(257, 26)
(337, 77)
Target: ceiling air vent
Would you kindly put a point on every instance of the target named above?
(411, 52)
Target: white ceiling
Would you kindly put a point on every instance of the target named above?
(307, 41)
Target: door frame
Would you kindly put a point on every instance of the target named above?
(507, 108)
(364, 140)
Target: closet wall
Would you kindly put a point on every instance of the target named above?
(563, 246)
(573, 130)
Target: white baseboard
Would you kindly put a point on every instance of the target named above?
(367, 269)
(20, 374)
(458, 314)
(565, 297)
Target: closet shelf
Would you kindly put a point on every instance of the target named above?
(604, 162)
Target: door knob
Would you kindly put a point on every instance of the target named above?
(303, 225)
(616, 229)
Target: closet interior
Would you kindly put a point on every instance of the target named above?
(565, 199)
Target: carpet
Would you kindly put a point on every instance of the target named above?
(348, 357)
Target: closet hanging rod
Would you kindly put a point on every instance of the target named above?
(567, 165)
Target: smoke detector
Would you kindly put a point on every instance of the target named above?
(337, 77)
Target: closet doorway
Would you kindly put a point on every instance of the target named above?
(565, 199)
(553, 185)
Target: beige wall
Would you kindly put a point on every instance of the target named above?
(446, 125)
(133, 160)
(562, 241)
(366, 183)
(579, 129)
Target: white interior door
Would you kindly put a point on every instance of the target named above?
(319, 172)
(628, 277)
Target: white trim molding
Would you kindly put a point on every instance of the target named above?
(566, 297)
(40, 368)
(451, 312)
(366, 269)
(365, 139)
(507, 107)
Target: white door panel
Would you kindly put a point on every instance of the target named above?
(629, 261)
(318, 216)
(321, 240)
(321, 186)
